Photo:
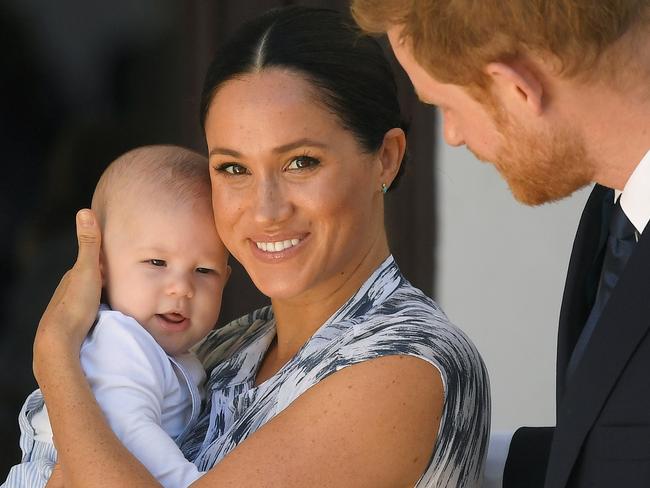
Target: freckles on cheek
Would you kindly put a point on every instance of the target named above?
(356, 198)
(340, 194)
(227, 216)
(224, 207)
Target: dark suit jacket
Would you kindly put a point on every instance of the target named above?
(602, 437)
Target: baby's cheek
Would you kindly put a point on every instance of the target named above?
(134, 296)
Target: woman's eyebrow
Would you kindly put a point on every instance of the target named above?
(224, 151)
(299, 143)
(277, 150)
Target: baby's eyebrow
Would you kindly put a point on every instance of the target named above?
(150, 249)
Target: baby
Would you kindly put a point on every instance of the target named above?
(164, 269)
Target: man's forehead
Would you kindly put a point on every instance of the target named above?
(424, 84)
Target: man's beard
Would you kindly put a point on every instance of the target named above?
(541, 168)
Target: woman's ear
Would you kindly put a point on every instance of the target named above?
(517, 86)
(391, 154)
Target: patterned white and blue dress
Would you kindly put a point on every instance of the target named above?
(387, 316)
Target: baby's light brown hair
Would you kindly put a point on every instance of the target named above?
(165, 173)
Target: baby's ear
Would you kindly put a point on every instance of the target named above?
(102, 273)
(102, 267)
(228, 272)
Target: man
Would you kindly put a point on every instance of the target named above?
(557, 95)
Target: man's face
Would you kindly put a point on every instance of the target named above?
(538, 165)
(465, 120)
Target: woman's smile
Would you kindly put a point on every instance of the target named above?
(277, 246)
(276, 249)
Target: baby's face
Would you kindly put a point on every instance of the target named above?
(166, 267)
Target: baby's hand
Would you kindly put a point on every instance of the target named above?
(73, 307)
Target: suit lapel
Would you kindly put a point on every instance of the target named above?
(582, 277)
(623, 324)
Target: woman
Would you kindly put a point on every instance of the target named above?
(352, 377)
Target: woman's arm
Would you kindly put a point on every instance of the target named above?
(87, 447)
(373, 424)
(370, 425)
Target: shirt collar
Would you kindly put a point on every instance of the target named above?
(635, 198)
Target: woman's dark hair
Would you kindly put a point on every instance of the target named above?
(347, 67)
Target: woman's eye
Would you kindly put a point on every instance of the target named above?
(302, 162)
(157, 262)
(204, 270)
(231, 169)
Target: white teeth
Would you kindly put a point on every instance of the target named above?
(277, 246)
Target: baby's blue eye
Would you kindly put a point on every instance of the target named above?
(157, 262)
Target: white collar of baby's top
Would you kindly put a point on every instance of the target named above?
(635, 197)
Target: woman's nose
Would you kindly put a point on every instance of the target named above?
(271, 203)
(180, 285)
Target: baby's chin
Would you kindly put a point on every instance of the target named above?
(175, 349)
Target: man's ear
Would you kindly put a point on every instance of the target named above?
(391, 154)
(515, 83)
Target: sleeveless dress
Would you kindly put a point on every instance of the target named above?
(387, 316)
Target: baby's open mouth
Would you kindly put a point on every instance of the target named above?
(172, 317)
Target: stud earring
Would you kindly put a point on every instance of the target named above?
(384, 188)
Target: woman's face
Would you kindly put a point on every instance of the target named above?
(296, 199)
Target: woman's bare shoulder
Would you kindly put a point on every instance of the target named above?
(371, 424)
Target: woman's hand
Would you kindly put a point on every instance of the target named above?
(86, 445)
(73, 307)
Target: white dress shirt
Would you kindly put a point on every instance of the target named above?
(635, 198)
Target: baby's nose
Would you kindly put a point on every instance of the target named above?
(180, 286)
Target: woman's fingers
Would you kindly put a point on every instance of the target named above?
(73, 306)
(75, 301)
(85, 283)
(89, 239)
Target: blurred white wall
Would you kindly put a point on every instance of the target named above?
(501, 271)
